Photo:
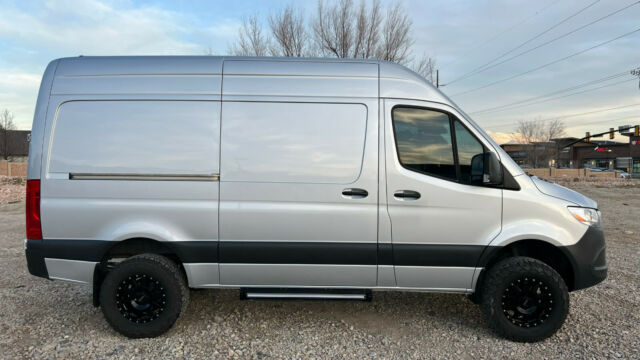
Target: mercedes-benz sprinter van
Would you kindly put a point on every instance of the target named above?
(289, 177)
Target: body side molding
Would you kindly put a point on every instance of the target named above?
(144, 177)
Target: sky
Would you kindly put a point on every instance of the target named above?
(462, 36)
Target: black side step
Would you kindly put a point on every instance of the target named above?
(305, 294)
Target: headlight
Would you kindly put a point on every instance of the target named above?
(586, 216)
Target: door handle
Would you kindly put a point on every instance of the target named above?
(354, 193)
(406, 195)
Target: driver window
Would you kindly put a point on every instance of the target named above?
(423, 139)
(426, 144)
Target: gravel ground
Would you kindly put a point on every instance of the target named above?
(45, 319)
(12, 189)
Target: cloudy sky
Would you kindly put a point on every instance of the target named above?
(517, 59)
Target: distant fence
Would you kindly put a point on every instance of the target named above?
(572, 173)
(13, 168)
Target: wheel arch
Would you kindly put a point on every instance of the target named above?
(140, 245)
(541, 250)
(130, 247)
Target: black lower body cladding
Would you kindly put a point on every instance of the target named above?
(96, 250)
(268, 252)
(35, 253)
(588, 258)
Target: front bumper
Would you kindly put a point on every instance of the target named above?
(588, 259)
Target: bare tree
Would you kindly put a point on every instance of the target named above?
(251, 41)
(535, 136)
(553, 129)
(367, 30)
(289, 32)
(396, 36)
(528, 133)
(333, 29)
(6, 126)
(426, 67)
(341, 30)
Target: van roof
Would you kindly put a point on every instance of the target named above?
(396, 81)
(210, 65)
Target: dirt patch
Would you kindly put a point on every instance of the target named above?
(12, 189)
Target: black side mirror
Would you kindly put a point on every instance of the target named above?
(477, 169)
(486, 169)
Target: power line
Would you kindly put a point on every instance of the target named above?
(571, 115)
(606, 78)
(592, 82)
(547, 64)
(472, 73)
(504, 32)
(521, 45)
(602, 121)
(559, 97)
(575, 93)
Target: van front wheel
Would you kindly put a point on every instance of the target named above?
(143, 296)
(524, 299)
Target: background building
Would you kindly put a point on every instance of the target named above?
(604, 154)
(14, 145)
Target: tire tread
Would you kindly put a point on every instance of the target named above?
(492, 285)
(174, 271)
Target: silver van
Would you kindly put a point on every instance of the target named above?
(289, 177)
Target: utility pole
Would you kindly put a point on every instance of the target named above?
(636, 72)
(437, 78)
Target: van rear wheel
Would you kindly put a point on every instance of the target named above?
(524, 299)
(143, 296)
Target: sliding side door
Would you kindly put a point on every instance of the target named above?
(299, 194)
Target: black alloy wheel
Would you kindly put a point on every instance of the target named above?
(144, 295)
(527, 302)
(141, 298)
(524, 299)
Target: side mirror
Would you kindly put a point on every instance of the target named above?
(486, 169)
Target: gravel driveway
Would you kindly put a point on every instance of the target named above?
(46, 319)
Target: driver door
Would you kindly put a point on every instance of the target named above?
(442, 218)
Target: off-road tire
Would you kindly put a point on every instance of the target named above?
(166, 274)
(502, 276)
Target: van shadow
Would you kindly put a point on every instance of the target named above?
(392, 314)
(396, 316)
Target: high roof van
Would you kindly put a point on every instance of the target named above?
(289, 177)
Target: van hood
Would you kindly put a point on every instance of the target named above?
(552, 189)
